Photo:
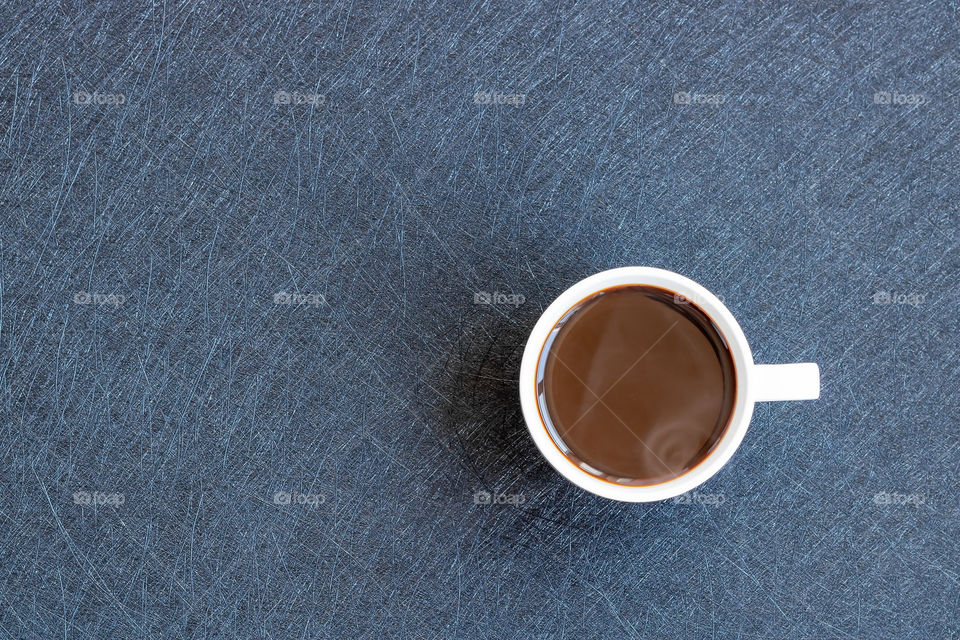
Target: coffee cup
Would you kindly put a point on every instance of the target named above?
(745, 382)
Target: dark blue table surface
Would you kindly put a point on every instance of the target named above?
(241, 252)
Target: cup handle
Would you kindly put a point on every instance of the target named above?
(799, 381)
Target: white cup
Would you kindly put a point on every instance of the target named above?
(754, 382)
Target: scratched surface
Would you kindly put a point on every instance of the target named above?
(250, 387)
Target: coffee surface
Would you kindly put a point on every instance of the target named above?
(635, 385)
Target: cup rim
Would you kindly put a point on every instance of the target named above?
(730, 330)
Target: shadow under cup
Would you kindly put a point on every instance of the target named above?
(636, 385)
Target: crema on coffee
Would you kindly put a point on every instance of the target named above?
(636, 385)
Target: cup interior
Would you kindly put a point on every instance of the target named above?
(556, 451)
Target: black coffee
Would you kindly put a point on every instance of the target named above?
(636, 385)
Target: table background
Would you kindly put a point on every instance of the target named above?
(186, 402)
